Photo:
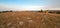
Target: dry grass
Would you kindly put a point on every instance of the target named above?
(29, 20)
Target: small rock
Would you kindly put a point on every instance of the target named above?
(28, 18)
(21, 23)
(8, 24)
(43, 23)
(30, 21)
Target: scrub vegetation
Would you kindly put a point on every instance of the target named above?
(29, 20)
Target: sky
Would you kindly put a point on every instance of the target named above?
(29, 5)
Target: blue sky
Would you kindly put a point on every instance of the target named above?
(30, 4)
(25, 2)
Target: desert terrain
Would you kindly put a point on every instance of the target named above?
(29, 20)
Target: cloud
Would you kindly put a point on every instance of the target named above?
(54, 5)
(21, 8)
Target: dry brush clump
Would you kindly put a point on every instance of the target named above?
(29, 20)
(5, 11)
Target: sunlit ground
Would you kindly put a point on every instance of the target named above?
(29, 20)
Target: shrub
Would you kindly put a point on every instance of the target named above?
(58, 12)
(5, 11)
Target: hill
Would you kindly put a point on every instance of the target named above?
(29, 20)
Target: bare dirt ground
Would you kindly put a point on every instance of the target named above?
(29, 20)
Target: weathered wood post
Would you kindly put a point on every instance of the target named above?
(45, 17)
(46, 12)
